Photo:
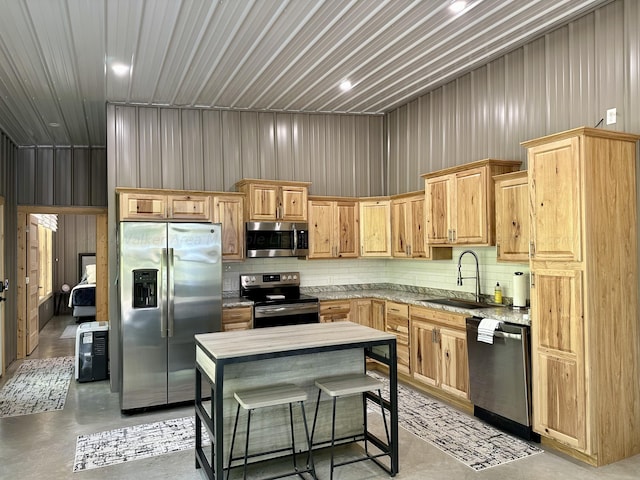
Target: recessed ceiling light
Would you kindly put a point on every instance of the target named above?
(120, 69)
(345, 86)
(457, 6)
(54, 124)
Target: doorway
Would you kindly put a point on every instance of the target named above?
(100, 248)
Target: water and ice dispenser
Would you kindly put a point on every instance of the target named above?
(145, 288)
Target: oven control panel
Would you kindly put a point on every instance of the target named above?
(270, 279)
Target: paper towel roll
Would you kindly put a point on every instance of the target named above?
(520, 289)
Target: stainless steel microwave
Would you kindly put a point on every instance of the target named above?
(276, 239)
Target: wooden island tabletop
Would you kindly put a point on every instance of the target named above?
(264, 341)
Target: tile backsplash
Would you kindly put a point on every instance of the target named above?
(433, 273)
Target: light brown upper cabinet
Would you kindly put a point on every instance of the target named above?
(333, 227)
(408, 229)
(512, 217)
(274, 200)
(375, 227)
(460, 202)
(584, 293)
(228, 209)
(154, 205)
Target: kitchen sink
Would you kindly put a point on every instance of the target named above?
(458, 302)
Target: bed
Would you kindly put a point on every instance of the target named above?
(82, 298)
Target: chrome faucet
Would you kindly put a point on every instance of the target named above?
(477, 277)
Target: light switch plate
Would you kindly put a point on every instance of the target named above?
(611, 116)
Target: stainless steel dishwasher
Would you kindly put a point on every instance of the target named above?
(500, 377)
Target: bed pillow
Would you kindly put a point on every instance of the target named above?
(90, 272)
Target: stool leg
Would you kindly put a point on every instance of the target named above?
(364, 422)
(315, 416)
(246, 445)
(233, 440)
(293, 439)
(384, 418)
(333, 435)
(310, 464)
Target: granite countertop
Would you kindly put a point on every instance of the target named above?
(402, 294)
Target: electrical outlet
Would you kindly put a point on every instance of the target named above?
(611, 116)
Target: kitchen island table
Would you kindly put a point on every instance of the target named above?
(298, 354)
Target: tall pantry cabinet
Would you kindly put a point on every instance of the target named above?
(585, 331)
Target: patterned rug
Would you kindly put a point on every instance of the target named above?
(69, 331)
(467, 439)
(133, 443)
(38, 386)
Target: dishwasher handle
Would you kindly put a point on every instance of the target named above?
(511, 332)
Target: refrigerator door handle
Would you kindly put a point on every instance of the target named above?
(163, 295)
(171, 293)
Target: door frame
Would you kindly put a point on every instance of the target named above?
(2, 277)
(102, 253)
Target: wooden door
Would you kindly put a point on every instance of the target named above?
(554, 187)
(400, 240)
(293, 204)
(346, 229)
(469, 207)
(228, 210)
(416, 219)
(321, 229)
(142, 206)
(377, 314)
(375, 231)
(453, 362)
(195, 208)
(4, 295)
(558, 356)
(33, 287)
(437, 198)
(425, 352)
(512, 216)
(263, 202)
(361, 312)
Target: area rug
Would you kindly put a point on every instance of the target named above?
(69, 331)
(467, 439)
(136, 442)
(38, 386)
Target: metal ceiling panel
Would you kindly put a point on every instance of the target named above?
(276, 55)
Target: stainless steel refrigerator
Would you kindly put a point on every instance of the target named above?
(170, 284)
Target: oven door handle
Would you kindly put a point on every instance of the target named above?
(285, 310)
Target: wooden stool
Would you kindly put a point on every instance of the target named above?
(344, 385)
(269, 397)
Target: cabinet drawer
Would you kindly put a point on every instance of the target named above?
(398, 309)
(237, 318)
(400, 328)
(432, 315)
(337, 307)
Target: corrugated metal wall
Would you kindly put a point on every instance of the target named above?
(8, 160)
(58, 176)
(198, 149)
(567, 79)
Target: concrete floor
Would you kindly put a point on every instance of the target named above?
(43, 445)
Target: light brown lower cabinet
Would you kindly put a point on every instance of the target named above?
(335, 310)
(368, 312)
(236, 318)
(397, 322)
(439, 350)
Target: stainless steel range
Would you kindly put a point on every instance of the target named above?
(277, 299)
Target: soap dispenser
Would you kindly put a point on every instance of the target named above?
(497, 294)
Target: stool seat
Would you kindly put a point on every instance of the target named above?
(270, 396)
(348, 384)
